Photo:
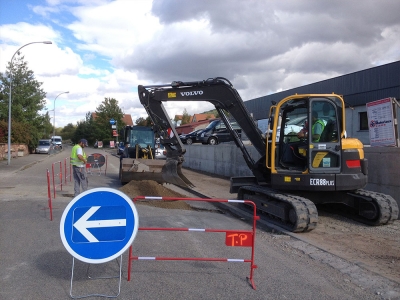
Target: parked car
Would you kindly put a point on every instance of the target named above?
(191, 137)
(57, 140)
(44, 146)
(216, 132)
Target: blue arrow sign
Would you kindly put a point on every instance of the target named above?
(112, 121)
(99, 228)
(99, 225)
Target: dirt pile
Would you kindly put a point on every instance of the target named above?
(151, 188)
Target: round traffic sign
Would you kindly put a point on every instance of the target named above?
(99, 225)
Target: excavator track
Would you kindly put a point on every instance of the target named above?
(375, 208)
(291, 212)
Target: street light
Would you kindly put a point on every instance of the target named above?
(9, 100)
(54, 113)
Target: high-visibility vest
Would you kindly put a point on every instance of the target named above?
(74, 156)
(323, 126)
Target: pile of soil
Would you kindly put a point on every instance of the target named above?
(152, 188)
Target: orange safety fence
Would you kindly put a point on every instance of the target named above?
(57, 175)
(233, 238)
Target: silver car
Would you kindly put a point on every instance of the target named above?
(44, 146)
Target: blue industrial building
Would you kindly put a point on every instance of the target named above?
(357, 89)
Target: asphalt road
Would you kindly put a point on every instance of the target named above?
(35, 265)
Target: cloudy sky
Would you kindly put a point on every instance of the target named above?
(104, 48)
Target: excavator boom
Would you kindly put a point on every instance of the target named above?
(218, 91)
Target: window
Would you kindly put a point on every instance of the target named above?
(363, 120)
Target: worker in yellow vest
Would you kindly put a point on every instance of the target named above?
(316, 129)
(78, 162)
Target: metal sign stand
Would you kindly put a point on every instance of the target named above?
(115, 218)
(95, 278)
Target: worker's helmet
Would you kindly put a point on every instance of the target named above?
(84, 142)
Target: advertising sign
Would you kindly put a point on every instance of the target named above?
(381, 123)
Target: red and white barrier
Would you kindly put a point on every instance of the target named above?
(57, 180)
(59, 174)
(233, 238)
(49, 202)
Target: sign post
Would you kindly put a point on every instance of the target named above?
(98, 225)
(114, 125)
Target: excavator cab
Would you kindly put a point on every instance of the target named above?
(308, 133)
(309, 144)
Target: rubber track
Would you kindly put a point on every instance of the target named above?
(306, 212)
(389, 209)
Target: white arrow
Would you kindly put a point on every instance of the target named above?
(83, 224)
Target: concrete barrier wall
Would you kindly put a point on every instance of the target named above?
(224, 159)
(384, 170)
(227, 160)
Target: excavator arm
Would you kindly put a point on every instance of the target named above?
(218, 91)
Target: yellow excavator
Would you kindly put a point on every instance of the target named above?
(295, 172)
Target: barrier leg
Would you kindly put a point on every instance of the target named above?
(96, 295)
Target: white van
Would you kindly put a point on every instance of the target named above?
(56, 139)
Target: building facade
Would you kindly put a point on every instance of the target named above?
(357, 89)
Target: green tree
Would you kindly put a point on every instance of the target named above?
(68, 131)
(87, 129)
(144, 122)
(185, 117)
(28, 99)
(106, 111)
(100, 127)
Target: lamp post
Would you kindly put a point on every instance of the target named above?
(54, 113)
(9, 100)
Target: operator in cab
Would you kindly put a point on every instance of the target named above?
(316, 129)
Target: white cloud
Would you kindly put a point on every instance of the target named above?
(106, 48)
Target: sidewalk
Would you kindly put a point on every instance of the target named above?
(19, 163)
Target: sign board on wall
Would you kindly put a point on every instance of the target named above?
(381, 123)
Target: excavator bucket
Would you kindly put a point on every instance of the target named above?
(161, 171)
(172, 173)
